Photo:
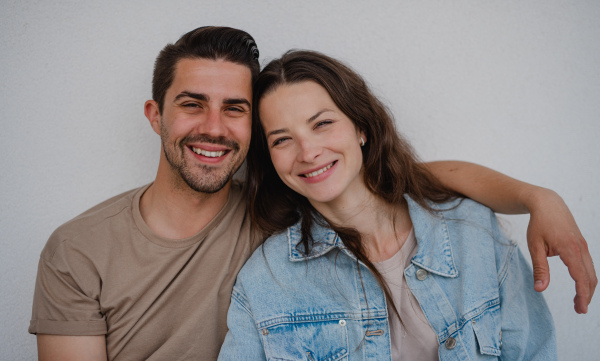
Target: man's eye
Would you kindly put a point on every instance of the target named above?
(190, 105)
(235, 109)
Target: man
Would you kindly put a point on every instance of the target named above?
(148, 274)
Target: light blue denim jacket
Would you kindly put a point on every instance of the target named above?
(472, 283)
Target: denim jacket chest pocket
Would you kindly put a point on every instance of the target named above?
(487, 330)
(462, 331)
(306, 339)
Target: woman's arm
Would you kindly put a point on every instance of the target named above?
(552, 230)
(528, 332)
(242, 341)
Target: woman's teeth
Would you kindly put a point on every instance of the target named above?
(317, 172)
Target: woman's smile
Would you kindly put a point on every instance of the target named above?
(322, 171)
(314, 146)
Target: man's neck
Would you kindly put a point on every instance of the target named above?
(178, 212)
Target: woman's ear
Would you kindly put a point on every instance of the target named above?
(362, 138)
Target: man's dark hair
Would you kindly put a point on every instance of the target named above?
(207, 42)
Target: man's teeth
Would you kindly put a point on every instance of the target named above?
(317, 172)
(206, 153)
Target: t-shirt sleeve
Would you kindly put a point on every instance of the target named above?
(66, 300)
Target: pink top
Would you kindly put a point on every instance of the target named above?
(415, 341)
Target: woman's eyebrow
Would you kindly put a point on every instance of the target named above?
(317, 115)
(277, 131)
(284, 130)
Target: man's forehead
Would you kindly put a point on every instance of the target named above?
(209, 75)
(207, 67)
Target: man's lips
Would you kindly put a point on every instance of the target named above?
(316, 172)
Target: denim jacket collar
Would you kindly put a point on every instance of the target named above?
(435, 257)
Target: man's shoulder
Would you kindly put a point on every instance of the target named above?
(238, 193)
(94, 222)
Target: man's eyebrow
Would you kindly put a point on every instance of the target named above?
(205, 98)
(197, 96)
(233, 101)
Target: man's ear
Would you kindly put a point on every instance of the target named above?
(153, 114)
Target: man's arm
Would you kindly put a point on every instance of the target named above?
(71, 348)
(552, 229)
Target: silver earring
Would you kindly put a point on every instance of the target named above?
(362, 142)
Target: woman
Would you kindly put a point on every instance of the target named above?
(371, 258)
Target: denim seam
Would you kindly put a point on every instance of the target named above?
(321, 318)
(242, 301)
(502, 275)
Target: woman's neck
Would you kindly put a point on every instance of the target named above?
(383, 227)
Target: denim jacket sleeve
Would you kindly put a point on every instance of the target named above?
(527, 328)
(242, 341)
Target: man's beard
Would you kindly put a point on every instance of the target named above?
(202, 178)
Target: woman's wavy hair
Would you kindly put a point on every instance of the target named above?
(390, 166)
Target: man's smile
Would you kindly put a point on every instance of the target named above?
(209, 154)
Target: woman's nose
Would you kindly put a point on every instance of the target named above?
(308, 150)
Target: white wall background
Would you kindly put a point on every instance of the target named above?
(514, 85)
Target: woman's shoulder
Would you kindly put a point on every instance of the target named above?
(462, 222)
(470, 212)
(274, 250)
(465, 214)
(463, 207)
(473, 229)
(453, 209)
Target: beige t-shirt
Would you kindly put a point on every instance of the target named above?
(106, 272)
(416, 341)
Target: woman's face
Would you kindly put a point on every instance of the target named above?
(315, 148)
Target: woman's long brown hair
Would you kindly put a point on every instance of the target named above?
(390, 166)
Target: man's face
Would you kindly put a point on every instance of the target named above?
(206, 121)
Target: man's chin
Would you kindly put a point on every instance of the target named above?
(208, 187)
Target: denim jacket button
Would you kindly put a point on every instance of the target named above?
(342, 323)
(421, 274)
(450, 343)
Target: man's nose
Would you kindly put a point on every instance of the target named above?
(213, 124)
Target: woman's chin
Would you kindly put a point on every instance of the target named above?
(325, 198)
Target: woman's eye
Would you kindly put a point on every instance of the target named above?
(322, 123)
(278, 141)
